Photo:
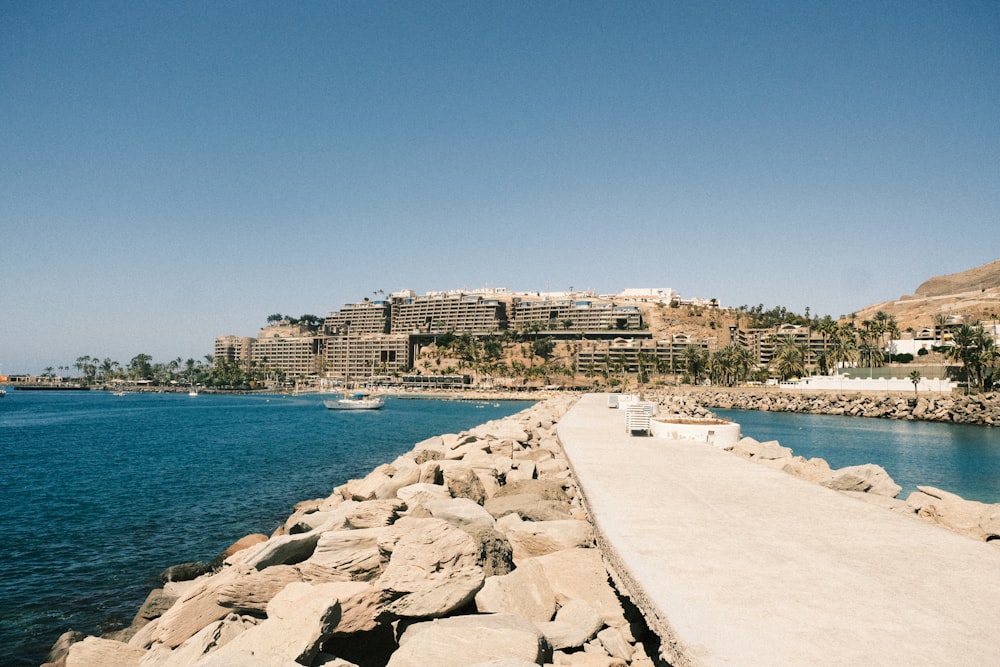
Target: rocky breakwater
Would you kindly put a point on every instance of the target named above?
(869, 482)
(981, 409)
(471, 549)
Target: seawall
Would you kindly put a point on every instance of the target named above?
(981, 409)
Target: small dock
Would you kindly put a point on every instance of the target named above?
(734, 563)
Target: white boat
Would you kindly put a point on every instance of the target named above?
(3, 392)
(355, 401)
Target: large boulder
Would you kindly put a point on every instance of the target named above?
(207, 640)
(579, 574)
(460, 641)
(968, 517)
(575, 624)
(104, 652)
(536, 538)
(353, 553)
(525, 592)
(433, 569)
(868, 478)
(462, 513)
(299, 619)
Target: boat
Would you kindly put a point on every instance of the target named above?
(3, 392)
(355, 401)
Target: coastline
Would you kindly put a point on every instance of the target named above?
(510, 541)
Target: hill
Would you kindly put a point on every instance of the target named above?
(973, 294)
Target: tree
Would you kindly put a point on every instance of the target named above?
(789, 359)
(915, 379)
(543, 347)
(140, 368)
(695, 362)
(275, 318)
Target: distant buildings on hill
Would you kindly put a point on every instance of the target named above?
(384, 336)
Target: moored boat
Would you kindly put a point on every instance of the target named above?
(355, 401)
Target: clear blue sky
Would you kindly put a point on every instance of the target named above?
(170, 172)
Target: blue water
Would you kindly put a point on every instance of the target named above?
(961, 459)
(100, 493)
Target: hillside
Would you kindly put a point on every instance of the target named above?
(973, 294)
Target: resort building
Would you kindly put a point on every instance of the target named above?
(292, 349)
(366, 317)
(366, 356)
(764, 343)
(569, 314)
(234, 349)
(447, 312)
(632, 355)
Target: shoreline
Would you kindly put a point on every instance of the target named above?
(450, 480)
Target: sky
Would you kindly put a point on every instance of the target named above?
(173, 172)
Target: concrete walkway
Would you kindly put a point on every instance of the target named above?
(734, 563)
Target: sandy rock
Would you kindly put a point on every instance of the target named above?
(751, 449)
(463, 482)
(579, 574)
(525, 592)
(432, 571)
(299, 618)
(462, 513)
(403, 477)
(365, 488)
(525, 470)
(195, 609)
(374, 513)
(244, 542)
(529, 539)
(420, 494)
(585, 659)
(614, 643)
(57, 654)
(460, 641)
(575, 624)
(529, 506)
(812, 470)
(210, 638)
(353, 553)
(93, 651)
(430, 473)
(869, 478)
(495, 555)
(280, 550)
(952, 511)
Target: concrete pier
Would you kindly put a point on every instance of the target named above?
(734, 563)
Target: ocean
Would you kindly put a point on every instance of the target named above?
(959, 458)
(101, 493)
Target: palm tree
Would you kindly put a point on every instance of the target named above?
(789, 359)
(695, 362)
(915, 379)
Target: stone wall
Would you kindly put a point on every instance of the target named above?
(983, 409)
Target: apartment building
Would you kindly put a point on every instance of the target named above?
(233, 349)
(366, 317)
(444, 312)
(367, 355)
(764, 343)
(571, 314)
(628, 355)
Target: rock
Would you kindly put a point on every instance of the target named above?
(93, 651)
(420, 494)
(529, 506)
(62, 645)
(953, 512)
(280, 550)
(367, 487)
(529, 539)
(462, 513)
(812, 470)
(195, 609)
(575, 624)
(751, 449)
(432, 571)
(495, 555)
(579, 574)
(374, 513)
(544, 489)
(460, 641)
(244, 542)
(403, 477)
(210, 638)
(354, 553)
(299, 618)
(525, 592)
(615, 644)
(185, 571)
(869, 478)
(463, 482)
